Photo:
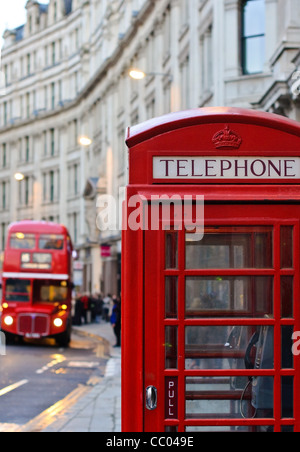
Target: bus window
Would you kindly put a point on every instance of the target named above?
(17, 290)
(20, 241)
(51, 242)
(50, 291)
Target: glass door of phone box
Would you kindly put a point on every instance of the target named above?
(221, 313)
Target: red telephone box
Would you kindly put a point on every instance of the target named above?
(211, 322)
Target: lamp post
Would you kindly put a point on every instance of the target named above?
(137, 74)
(19, 177)
(84, 141)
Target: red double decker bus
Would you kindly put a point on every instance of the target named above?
(37, 282)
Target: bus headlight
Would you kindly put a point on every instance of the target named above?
(8, 320)
(58, 323)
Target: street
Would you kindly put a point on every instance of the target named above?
(35, 375)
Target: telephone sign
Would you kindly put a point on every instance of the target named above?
(211, 321)
(184, 168)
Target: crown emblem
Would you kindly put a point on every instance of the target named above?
(227, 139)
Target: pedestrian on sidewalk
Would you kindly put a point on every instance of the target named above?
(98, 307)
(107, 307)
(85, 300)
(77, 320)
(115, 319)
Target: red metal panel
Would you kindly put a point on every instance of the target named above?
(297, 327)
(132, 332)
(25, 324)
(41, 325)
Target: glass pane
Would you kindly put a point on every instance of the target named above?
(18, 290)
(287, 346)
(229, 347)
(286, 243)
(287, 297)
(226, 296)
(287, 429)
(50, 291)
(254, 55)
(287, 397)
(254, 18)
(223, 398)
(171, 429)
(171, 250)
(171, 294)
(22, 241)
(230, 429)
(230, 247)
(171, 347)
(51, 242)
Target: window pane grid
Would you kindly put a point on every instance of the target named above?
(283, 316)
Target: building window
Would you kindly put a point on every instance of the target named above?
(55, 12)
(75, 228)
(5, 113)
(52, 135)
(6, 74)
(185, 83)
(27, 150)
(53, 96)
(52, 186)
(253, 36)
(3, 195)
(27, 105)
(3, 236)
(76, 188)
(4, 155)
(53, 53)
(45, 187)
(27, 191)
(28, 64)
(46, 56)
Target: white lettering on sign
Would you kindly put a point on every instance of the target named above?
(226, 168)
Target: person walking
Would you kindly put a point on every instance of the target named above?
(85, 307)
(115, 320)
(107, 308)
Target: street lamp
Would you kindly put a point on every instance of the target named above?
(19, 177)
(84, 141)
(137, 74)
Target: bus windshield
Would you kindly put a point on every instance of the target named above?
(20, 241)
(18, 290)
(50, 291)
(51, 242)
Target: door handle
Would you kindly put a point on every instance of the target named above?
(151, 398)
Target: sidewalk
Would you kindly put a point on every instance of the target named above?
(97, 409)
